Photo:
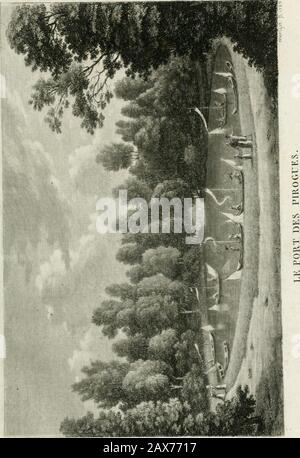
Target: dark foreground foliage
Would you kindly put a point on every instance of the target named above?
(83, 45)
(173, 418)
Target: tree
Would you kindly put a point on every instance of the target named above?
(122, 290)
(186, 354)
(148, 381)
(115, 156)
(82, 46)
(55, 40)
(132, 110)
(161, 129)
(143, 104)
(109, 423)
(140, 168)
(159, 284)
(114, 316)
(130, 253)
(236, 417)
(132, 347)
(149, 240)
(192, 264)
(103, 383)
(128, 129)
(172, 188)
(163, 346)
(165, 419)
(135, 188)
(147, 315)
(173, 417)
(107, 316)
(136, 273)
(83, 427)
(194, 389)
(159, 145)
(262, 53)
(155, 313)
(163, 260)
(129, 89)
(170, 418)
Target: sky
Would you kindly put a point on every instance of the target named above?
(56, 265)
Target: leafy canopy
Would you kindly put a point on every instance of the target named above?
(81, 46)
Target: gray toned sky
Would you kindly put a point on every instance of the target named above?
(50, 183)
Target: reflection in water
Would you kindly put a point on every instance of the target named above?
(219, 308)
(237, 219)
(232, 164)
(221, 90)
(225, 74)
(218, 202)
(218, 131)
(212, 273)
(210, 239)
(199, 112)
(237, 275)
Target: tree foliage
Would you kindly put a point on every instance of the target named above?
(159, 284)
(161, 260)
(103, 382)
(148, 381)
(236, 417)
(130, 253)
(132, 347)
(122, 290)
(163, 346)
(83, 45)
(170, 418)
(115, 156)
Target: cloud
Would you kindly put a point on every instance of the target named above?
(16, 101)
(81, 157)
(51, 271)
(75, 289)
(92, 346)
(86, 174)
(56, 273)
(33, 205)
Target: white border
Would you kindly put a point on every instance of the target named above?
(289, 123)
(289, 126)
